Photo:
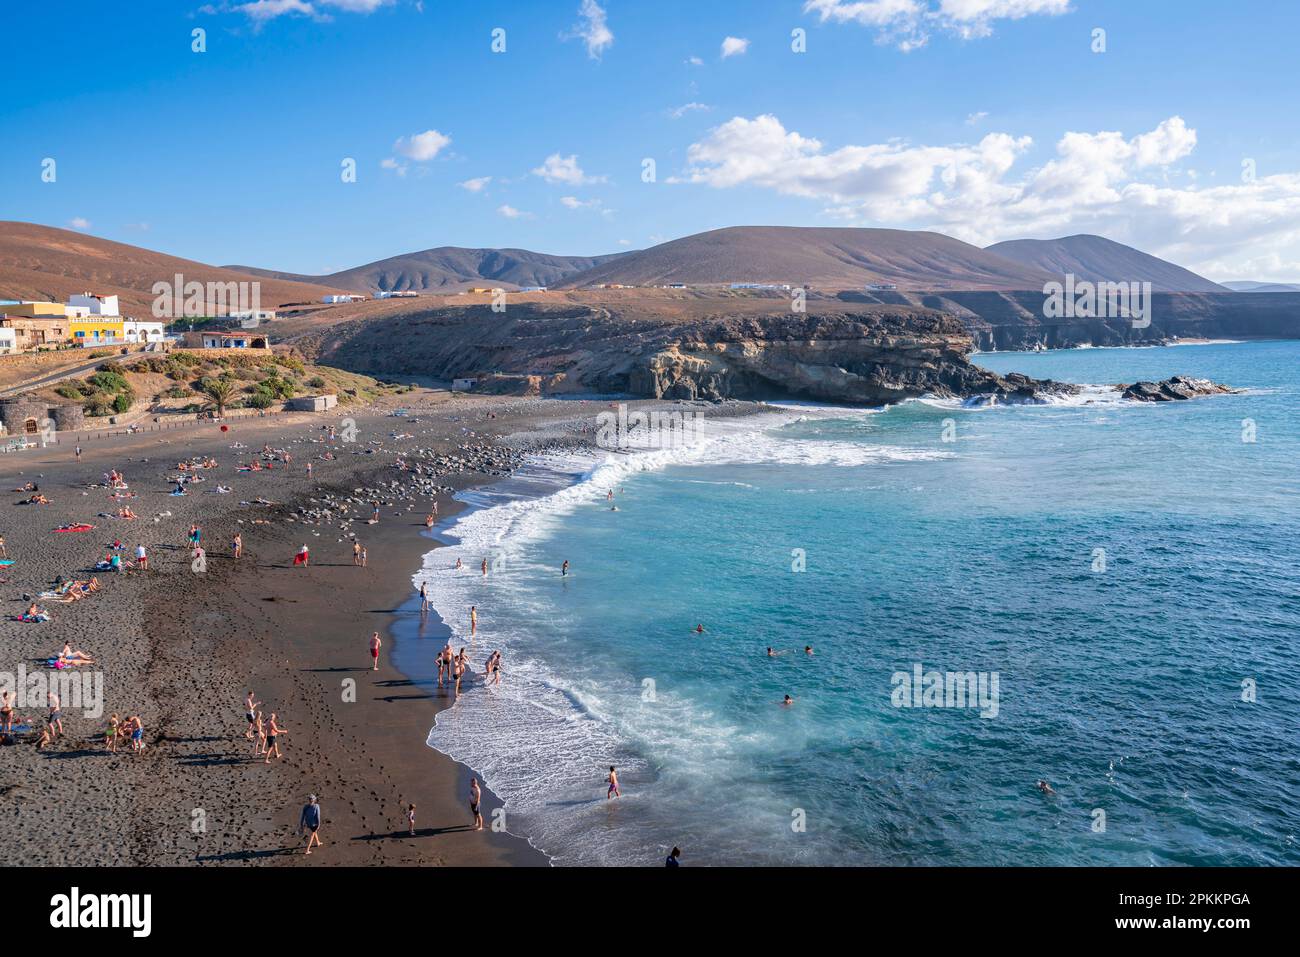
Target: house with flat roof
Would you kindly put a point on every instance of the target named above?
(234, 340)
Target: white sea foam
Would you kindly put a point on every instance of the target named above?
(541, 739)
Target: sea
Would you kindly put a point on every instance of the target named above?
(1096, 594)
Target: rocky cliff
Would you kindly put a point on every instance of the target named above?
(867, 355)
(1015, 320)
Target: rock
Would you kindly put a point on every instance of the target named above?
(1176, 388)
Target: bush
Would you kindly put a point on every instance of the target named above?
(69, 391)
(109, 380)
(122, 403)
(260, 399)
(316, 382)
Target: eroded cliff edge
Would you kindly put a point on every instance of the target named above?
(868, 355)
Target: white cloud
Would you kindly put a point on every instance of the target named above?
(975, 118)
(475, 185)
(79, 222)
(909, 23)
(694, 61)
(421, 147)
(734, 46)
(262, 11)
(565, 169)
(1102, 182)
(509, 212)
(685, 108)
(593, 30)
(625, 242)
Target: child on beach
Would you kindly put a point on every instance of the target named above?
(375, 644)
(613, 784)
(410, 818)
(250, 712)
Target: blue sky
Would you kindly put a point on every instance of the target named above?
(984, 119)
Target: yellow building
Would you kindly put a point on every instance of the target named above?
(36, 310)
(96, 330)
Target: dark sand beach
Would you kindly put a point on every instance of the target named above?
(182, 649)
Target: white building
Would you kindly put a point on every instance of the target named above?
(396, 294)
(332, 300)
(8, 340)
(96, 305)
(134, 330)
(463, 385)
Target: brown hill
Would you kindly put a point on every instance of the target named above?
(1098, 259)
(450, 269)
(44, 263)
(826, 258)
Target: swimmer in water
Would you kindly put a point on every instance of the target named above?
(807, 649)
(1045, 787)
(699, 629)
(787, 702)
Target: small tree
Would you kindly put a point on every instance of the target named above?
(219, 391)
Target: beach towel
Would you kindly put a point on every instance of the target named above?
(31, 619)
(5, 562)
(80, 527)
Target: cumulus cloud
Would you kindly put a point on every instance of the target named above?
(592, 29)
(476, 185)
(734, 46)
(1125, 187)
(909, 23)
(509, 212)
(79, 222)
(564, 169)
(421, 147)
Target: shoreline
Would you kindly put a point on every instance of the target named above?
(182, 649)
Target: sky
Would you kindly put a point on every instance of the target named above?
(317, 135)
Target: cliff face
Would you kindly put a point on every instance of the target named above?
(1015, 320)
(868, 356)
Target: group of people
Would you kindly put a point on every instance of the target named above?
(265, 732)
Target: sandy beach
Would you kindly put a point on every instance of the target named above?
(182, 648)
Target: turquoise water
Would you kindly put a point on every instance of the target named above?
(953, 538)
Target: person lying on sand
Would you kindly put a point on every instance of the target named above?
(37, 499)
(73, 657)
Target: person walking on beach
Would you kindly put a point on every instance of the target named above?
(473, 619)
(424, 598)
(410, 818)
(375, 643)
(613, 791)
(364, 556)
(485, 568)
(273, 732)
(309, 821)
(136, 727)
(141, 558)
(564, 569)
(250, 712)
(303, 556)
(475, 798)
(196, 534)
(259, 736)
(55, 719)
(7, 713)
(671, 860)
(237, 546)
(356, 553)
(77, 450)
